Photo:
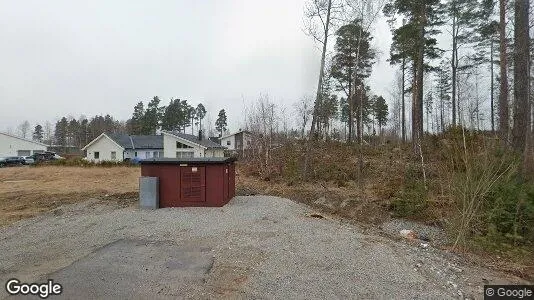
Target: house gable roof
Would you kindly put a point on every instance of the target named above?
(126, 141)
(21, 138)
(204, 143)
(238, 132)
(147, 141)
(103, 134)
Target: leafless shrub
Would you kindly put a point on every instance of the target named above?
(470, 187)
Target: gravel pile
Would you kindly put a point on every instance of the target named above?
(254, 247)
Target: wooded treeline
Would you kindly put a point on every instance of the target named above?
(178, 115)
(438, 85)
(343, 93)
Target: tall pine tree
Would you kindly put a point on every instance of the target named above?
(415, 40)
(221, 123)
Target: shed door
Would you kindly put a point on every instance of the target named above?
(192, 184)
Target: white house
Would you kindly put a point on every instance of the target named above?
(11, 145)
(181, 145)
(120, 147)
(239, 141)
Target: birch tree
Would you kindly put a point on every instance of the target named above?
(318, 25)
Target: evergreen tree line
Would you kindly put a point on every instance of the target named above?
(439, 84)
(178, 115)
(71, 132)
(344, 89)
(480, 33)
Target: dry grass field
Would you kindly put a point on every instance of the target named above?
(28, 191)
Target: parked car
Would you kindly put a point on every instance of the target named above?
(135, 160)
(11, 161)
(46, 156)
(28, 160)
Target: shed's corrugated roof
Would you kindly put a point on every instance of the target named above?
(137, 141)
(192, 160)
(194, 139)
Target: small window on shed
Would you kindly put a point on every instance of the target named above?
(113, 155)
(97, 155)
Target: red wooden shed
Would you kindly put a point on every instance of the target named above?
(204, 181)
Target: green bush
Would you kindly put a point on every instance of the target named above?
(509, 213)
(411, 201)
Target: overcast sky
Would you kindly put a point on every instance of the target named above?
(97, 57)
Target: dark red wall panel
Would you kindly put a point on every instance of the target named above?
(180, 185)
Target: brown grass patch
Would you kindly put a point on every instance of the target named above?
(345, 201)
(26, 192)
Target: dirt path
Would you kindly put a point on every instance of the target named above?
(254, 247)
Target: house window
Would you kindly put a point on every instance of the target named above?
(113, 155)
(155, 154)
(147, 154)
(182, 146)
(97, 155)
(135, 154)
(180, 154)
(228, 143)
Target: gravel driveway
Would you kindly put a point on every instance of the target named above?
(254, 247)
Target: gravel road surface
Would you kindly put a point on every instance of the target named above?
(254, 247)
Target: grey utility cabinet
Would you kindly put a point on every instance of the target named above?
(148, 192)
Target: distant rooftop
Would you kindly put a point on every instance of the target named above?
(137, 141)
(194, 139)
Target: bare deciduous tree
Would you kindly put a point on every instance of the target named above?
(262, 121)
(303, 109)
(23, 129)
(318, 18)
(47, 132)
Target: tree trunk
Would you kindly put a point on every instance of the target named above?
(441, 109)
(420, 70)
(358, 123)
(417, 109)
(503, 96)
(319, 93)
(521, 76)
(321, 73)
(454, 66)
(414, 99)
(351, 110)
(403, 101)
(351, 92)
(492, 88)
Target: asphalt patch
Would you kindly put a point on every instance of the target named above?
(130, 268)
